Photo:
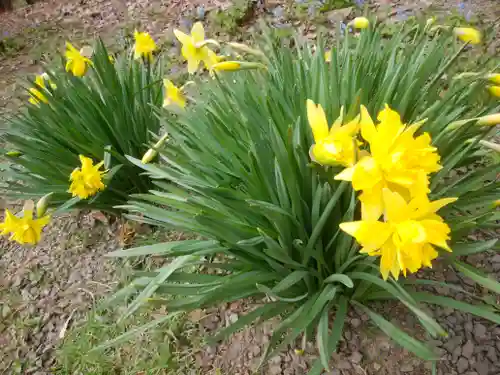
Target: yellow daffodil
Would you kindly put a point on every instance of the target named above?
(86, 181)
(36, 93)
(359, 23)
(494, 90)
(76, 63)
(10, 223)
(334, 146)
(144, 46)
(28, 230)
(328, 56)
(194, 48)
(496, 203)
(494, 77)
(398, 161)
(173, 95)
(405, 240)
(468, 35)
(231, 66)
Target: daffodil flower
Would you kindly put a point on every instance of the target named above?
(397, 160)
(494, 90)
(25, 229)
(76, 62)
(405, 240)
(328, 56)
(334, 146)
(173, 95)
(87, 180)
(195, 49)
(37, 93)
(468, 35)
(359, 23)
(144, 46)
(494, 77)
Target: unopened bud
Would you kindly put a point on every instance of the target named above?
(43, 204)
(490, 120)
(244, 48)
(14, 153)
(494, 90)
(359, 23)
(149, 155)
(236, 65)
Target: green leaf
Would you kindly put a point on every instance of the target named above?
(271, 293)
(148, 291)
(462, 249)
(167, 248)
(398, 335)
(343, 279)
(476, 276)
(483, 311)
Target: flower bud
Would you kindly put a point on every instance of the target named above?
(14, 153)
(149, 155)
(244, 48)
(231, 66)
(42, 205)
(494, 77)
(491, 120)
(491, 145)
(359, 23)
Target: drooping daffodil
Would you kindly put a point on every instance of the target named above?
(336, 145)
(76, 62)
(144, 46)
(468, 35)
(87, 180)
(173, 95)
(398, 160)
(38, 93)
(195, 48)
(406, 238)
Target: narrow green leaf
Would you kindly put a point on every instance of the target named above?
(462, 249)
(475, 275)
(343, 279)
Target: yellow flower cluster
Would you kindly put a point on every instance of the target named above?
(397, 222)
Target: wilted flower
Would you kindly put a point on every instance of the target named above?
(86, 181)
(405, 239)
(76, 63)
(468, 34)
(173, 95)
(398, 161)
(144, 46)
(194, 48)
(334, 146)
(359, 23)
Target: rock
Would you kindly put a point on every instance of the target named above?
(468, 349)
(408, 367)
(479, 331)
(462, 365)
(275, 370)
(334, 372)
(491, 354)
(495, 259)
(233, 317)
(356, 357)
(376, 366)
(338, 15)
(452, 343)
(355, 323)
(456, 354)
(343, 365)
(482, 367)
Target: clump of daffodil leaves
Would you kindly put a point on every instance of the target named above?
(315, 182)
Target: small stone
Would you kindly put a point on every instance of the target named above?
(408, 367)
(496, 259)
(256, 350)
(479, 331)
(376, 366)
(456, 354)
(233, 317)
(343, 365)
(468, 349)
(491, 354)
(334, 372)
(462, 365)
(275, 370)
(482, 367)
(452, 343)
(355, 323)
(356, 357)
